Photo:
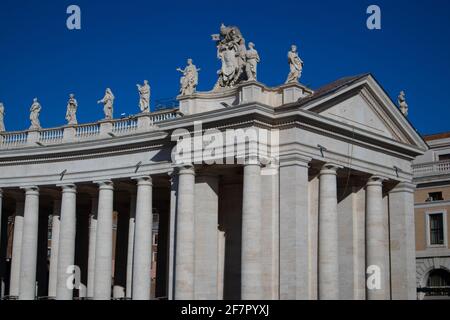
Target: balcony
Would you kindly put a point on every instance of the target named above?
(431, 169)
(88, 131)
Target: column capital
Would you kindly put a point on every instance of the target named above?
(67, 187)
(31, 189)
(375, 181)
(404, 187)
(105, 184)
(330, 168)
(295, 160)
(185, 169)
(143, 180)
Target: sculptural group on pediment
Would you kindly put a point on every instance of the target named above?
(238, 63)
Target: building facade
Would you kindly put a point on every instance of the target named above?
(261, 193)
(338, 200)
(432, 204)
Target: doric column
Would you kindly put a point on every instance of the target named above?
(53, 268)
(402, 236)
(66, 252)
(14, 281)
(184, 262)
(143, 240)
(103, 243)
(172, 228)
(328, 234)
(376, 239)
(206, 237)
(91, 248)
(294, 229)
(251, 264)
(121, 251)
(130, 254)
(29, 244)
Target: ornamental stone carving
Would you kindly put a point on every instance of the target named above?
(295, 65)
(189, 80)
(35, 111)
(144, 97)
(71, 113)
(108, 104)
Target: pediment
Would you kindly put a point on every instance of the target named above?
(365, 105)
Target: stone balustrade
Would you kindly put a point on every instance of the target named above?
(431, 168)
(86, 131)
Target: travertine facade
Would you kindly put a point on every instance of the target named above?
(339, 191)
(319, 210)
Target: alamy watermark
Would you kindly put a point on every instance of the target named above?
(373, 277)
(374, 20)
(233, 146)
(73, 21)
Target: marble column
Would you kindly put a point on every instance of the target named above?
(143, 240)
(328, 234)
(184, 262)
(251, 263)
(53, 268)
(121, 251)
(103, 243)
(377, 240)
(294, 229)
(206, 237)
(28, 260)
(172, 232)
(92, 245)
(14, 281)
(130, 254)
(1, 209)
(66, 252)
(402, 236)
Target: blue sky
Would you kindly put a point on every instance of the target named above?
(121, 43)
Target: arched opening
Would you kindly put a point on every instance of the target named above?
(438, 284)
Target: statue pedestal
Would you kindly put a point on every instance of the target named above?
(106, 128)
(251, 92)
(144, 121)
(69, 134)
(292, 92)
(33, 137)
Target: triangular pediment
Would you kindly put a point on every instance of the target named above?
(365, 105)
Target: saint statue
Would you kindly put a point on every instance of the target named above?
(252, 60)
(231, 51)
(2, 117)
(71, 113)
(144, 97)
(402, 103)
(295, 64)
(35, 110)
(108, 104)
(189, 80)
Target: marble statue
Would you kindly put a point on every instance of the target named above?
(189, 80)
(295, 64)
(2, 117)
(252, 60)
(231, 52)
(402, 103)
(144, 97)
(108, 104)
(71, 113)
(35, 111)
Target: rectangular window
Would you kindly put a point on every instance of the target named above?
(436, 229)
(435, 196)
